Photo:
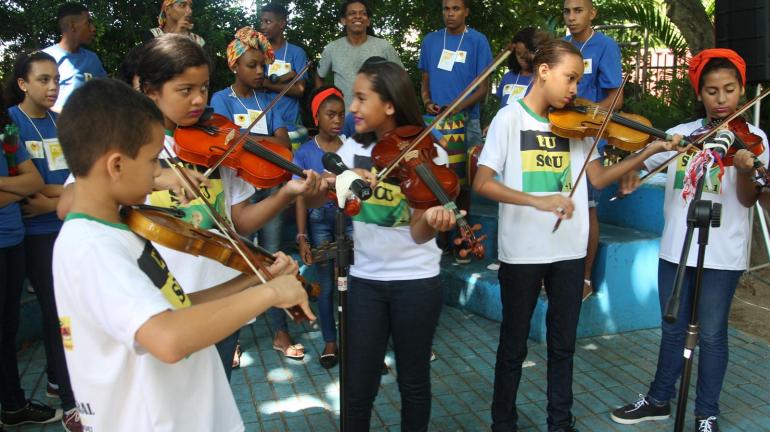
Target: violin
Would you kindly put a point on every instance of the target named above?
(261, 160)
(582, 118)
(424, 183)
(164, 227)
(744, 138)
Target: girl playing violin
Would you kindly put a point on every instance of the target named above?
(242, 102)
(394, 286)
(327, 106)
(536, 168)
(174, 73)
(718, 77)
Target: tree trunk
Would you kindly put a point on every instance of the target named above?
(689, 16)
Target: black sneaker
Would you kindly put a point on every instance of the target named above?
(33, 412)
(568, 428)
(708, 424)
(639, 411)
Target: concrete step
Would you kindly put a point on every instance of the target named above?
(625, 277)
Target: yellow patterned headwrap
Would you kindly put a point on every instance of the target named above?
(246, 38)
(162, 14)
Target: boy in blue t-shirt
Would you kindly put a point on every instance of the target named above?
(289, 60)
(602, 76)
(77, 65)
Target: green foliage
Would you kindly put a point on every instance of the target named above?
(674, 104)
(120, 25)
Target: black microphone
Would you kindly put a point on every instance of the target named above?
(333, 163)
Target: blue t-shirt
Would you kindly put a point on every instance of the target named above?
(602, 68)
(48, 159)
(310, 156)
(11, 225)
(445, 86)
(242, 111)
(288, 107)
(75, 69)
(513, 87)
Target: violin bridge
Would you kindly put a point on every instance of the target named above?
(596, 111)
(414, 154)
(229, 138)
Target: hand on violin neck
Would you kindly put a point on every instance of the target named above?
(283, 265)
(432, 108)
(311, 185)
(170, 181)
(744, 161)
(558, 204)
(659, 146)
(289, 292)
(440, 218)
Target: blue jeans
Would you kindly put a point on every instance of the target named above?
(269, 237)
(519, 290)
(716, 296)
(321, 224)
(409, 311)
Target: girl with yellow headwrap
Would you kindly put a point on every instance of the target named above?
(242, 102)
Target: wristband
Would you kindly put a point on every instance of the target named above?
(300, 235)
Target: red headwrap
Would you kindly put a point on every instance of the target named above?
(700, 60)
(320, 98)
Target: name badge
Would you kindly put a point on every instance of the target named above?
(261, 127)
(447, 60)
(279, 67)
(588, 65)
(514, 92)
(35, 149)
(54, 154)
(461, 55)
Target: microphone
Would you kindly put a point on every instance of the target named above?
(333, 163)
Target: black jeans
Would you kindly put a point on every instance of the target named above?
(408, 311)
(519, 290)
(40, 274)
(12, 278)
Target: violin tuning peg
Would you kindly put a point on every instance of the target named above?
(457, 241)
(463, 253)
(483, 237)
(476, 227)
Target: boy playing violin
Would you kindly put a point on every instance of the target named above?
(127, 314)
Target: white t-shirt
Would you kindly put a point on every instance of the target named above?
(108, 282)
(521, 149)
(199, 273)
(384, 248)
(727, 246)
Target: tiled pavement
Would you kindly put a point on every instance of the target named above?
(281, 395)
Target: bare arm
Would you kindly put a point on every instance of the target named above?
(475, 97)
(486, 185)
(606, 102)
(282, 135)
(426, 224)
(8, 198)
(173, 335)
(601, 176)
(27, 182)
(297, 90)
(744, 186)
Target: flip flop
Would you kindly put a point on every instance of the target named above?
(237, 356)
(328, 361)
(295, 347)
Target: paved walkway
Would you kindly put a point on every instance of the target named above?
(275, 394)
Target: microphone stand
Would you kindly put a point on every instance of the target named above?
(341, 251)
(701, 214)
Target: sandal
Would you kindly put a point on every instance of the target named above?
(328, 361)
(588, 290)
(237, 356)
(296, 347)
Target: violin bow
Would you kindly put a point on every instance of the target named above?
(240, 139)
(444, 114)
(602, 128)
(701, 139)
(228, 231)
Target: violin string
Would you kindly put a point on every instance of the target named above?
(224, 227)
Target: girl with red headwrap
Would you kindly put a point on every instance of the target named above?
(327, 106)
(718, 77)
